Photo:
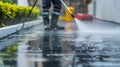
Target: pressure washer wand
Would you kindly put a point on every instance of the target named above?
(67, 8)
(29, 13)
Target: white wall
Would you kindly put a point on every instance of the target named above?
(23, 2)
(90, 8)
(106, 9)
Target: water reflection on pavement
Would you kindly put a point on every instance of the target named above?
(67, 48)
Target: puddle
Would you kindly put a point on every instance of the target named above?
(39, 48)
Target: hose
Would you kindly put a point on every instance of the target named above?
(29, 14)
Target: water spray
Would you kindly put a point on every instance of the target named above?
(82, 26)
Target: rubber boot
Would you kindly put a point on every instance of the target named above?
(46, 19)
(54, 20)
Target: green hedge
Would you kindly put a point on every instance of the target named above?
(11, 12)
(7, 1)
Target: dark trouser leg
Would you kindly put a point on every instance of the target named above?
(54, 20)
(46, 19)
(46, 4)
(55, 14)
(45, 15)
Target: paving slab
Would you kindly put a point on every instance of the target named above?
(71, 47)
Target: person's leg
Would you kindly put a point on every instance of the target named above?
(46, 4)
(55, 14)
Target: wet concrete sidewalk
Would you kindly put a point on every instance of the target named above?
(66, 48)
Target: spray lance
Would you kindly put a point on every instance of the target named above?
(67, 8)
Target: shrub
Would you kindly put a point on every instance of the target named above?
(13, 11)
(6, 1)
